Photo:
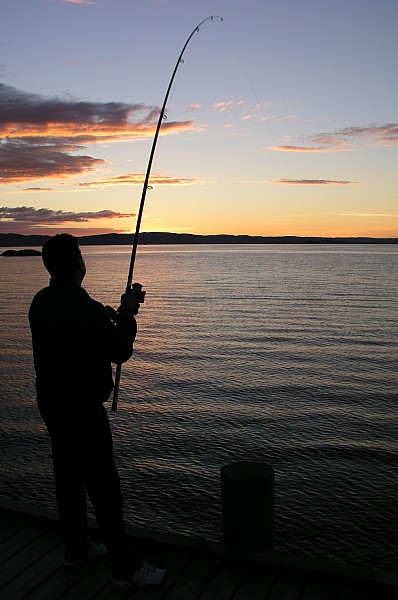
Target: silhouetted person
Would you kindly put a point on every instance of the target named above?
(75, 339)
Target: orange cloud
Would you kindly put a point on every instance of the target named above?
(139, 179)
(39, 134)
(22, 161)
(302, 149)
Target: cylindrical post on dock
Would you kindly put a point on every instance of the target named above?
(247, 490)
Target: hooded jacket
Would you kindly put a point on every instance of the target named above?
(75, 339)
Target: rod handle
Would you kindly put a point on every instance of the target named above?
(116, 388)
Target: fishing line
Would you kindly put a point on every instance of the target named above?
(146, 186)
(259, 104)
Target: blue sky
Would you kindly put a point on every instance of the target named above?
(282, 119)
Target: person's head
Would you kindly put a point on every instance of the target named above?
(62, 258)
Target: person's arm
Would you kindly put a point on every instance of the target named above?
(121, 338)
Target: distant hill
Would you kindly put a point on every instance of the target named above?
(112, 239)
(24, 252)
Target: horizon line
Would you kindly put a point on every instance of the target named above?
(209, 235)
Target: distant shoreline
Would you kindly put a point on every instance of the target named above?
(157, 238)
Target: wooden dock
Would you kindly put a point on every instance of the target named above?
(31, 555)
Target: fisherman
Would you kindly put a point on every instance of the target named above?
(75, 339)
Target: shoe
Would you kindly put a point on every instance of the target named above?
(147, 575)
(94, 551)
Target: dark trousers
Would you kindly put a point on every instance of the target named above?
(83, 461)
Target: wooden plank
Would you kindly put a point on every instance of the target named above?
(384, 593)
(174, 562)
(28, 556)
(3, 519)
(10, 527)
(80, 582)
(224, 584)
(82, 585)
(276, 560)
(359, 590)
(319, 590)
(255, 585)
(19, 540)
(194, 579)
(29, 579)
(31, 556)
(354, 591)
(96, 579)
(287, 588)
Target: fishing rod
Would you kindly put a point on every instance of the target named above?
(129, 285)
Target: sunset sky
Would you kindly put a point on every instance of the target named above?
(282, 120)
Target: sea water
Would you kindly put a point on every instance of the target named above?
(285, 354)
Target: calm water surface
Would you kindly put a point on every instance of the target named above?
(283, 354)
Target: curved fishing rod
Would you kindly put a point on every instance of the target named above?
(144, 190)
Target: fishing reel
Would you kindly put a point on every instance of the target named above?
(138, 292)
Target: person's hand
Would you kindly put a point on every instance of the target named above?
(129, 302)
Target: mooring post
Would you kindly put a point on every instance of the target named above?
(247, 490)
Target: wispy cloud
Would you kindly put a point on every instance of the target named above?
(28, 218)
(384, 135)
(346, 139)
(223, 105)
(79, 1)
(313, 182)
(38, 189)
(303, 149)
(395, 216)
(44, 137)
(243, 108)
(193, 106)
(139, 179)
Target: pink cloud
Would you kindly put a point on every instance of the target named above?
(302, 149)
(384, 135)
